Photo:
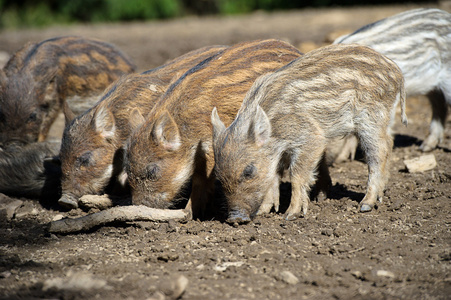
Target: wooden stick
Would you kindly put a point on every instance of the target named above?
(117, 214)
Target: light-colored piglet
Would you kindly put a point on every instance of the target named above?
(288, 117)
(419, 42)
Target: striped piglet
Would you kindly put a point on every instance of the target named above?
(419, 42)
(288, 117)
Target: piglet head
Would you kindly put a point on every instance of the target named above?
(242, 162)
(88, 155)
(24, 107)
(156, 162)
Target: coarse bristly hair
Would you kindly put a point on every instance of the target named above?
(173, 146)
(419, 42)
(93, 143)
(67, 71)
(288, 117)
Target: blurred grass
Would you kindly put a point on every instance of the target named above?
(41, 13)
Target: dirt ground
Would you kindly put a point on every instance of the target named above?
(402, 250)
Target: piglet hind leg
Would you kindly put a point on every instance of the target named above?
(377, 147)
(323, 181)
(439, 108)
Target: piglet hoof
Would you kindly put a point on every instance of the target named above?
(292, 216)
(68, 202)
(264, 209)
(366, 208)
(238, 217)
(429, 144)
(426, 148)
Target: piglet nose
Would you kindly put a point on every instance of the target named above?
(238, 216)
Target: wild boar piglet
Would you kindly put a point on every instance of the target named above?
(173, 147)
(288, 117)
(59, 74)
(419, 42)
(92, 146)
(24, 172)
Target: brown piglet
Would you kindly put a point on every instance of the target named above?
(92, 146)
(174, 145)
(42, 78)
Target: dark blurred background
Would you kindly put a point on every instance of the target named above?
(41, 13)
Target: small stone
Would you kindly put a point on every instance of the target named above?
(5, 274)
(420, 164)
(174, 287)
(10, 206)
(57, 217)
(74, 282)
(287, 277)
(157, 296)
(26, 210)
(224, 266)
(384, 273)
(358, 275)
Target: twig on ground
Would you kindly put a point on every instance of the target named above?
(117, 214)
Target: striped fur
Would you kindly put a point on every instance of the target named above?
(419, 41)
(41, 77)
(288, 117)
(92, 143)
(174, 144)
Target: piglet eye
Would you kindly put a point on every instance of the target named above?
(153, 172)
(32, 117)
(85, 159)
(249, 172)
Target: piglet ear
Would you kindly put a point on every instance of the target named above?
(136, 119)
(104, 122)
(49, 86)
(68, 113)
(260, 128)
(218, 126)
(165, 132)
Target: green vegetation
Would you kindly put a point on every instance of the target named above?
(39, 13)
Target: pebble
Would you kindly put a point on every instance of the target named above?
(26, 210)
(287, 277)
(74, 281)
(384, 273)
(224, 266)
(5, 274)
(173, 288)
(358, 275)
(10, 206)
(420, 164)
(57, 217)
